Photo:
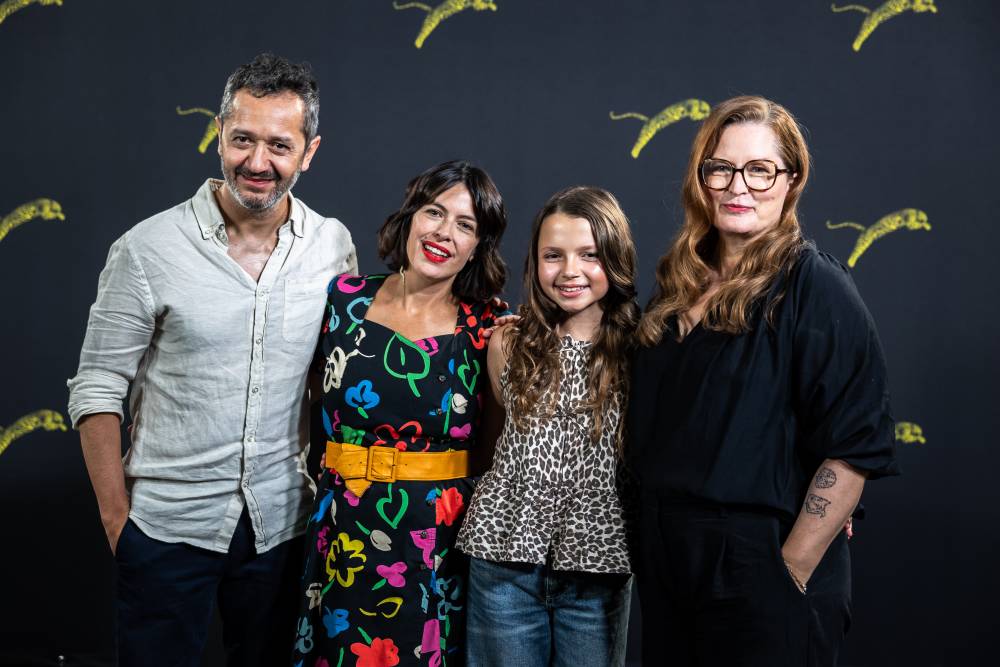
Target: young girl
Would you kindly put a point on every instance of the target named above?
(549, 579)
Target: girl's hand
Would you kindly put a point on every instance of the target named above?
(322, 466)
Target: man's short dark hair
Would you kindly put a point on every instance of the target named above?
(269, 74)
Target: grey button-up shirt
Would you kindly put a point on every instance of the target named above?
(217, 364)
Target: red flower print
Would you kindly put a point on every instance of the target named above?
(448, 506)
(382, 653)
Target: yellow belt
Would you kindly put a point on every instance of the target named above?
(360, 466)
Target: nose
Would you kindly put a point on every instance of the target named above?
(738, 185)
(571, 267)
(257, 162)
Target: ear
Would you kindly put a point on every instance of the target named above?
(218, 131)
(310, 152)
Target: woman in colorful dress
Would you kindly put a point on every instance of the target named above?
(403, 364)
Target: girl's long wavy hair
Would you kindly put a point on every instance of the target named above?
(683, 273)
(532, 345)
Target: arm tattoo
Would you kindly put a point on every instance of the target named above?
(816, 504)
(825, 478)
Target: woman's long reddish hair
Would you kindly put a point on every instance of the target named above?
(682, 274)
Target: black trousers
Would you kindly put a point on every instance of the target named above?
(166, 593)
(715, 591)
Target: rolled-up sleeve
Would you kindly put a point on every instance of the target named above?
(841, 391)
(119, 329)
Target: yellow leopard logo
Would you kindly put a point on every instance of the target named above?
(211, 130)
(693, 109)
(883, 13)
(47, 420)
(10, 6)
(908, 218)
(447, 9)
(909, 432)
(44, 209)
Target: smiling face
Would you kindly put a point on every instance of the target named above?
(443, 235)
(263, 149)
(738, 211)
(569, 270)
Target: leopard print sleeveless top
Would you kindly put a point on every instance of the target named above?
(552, 495)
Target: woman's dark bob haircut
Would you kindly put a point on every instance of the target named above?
(484, 276)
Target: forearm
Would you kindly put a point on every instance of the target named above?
(832, 496)
(100, 439)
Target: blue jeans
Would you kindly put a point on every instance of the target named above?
(166, 593)
(522, 615)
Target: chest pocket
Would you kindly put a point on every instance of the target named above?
(305, 299)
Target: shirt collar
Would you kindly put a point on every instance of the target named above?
(209, 215)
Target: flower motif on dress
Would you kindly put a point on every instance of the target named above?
(362, 397)
(343, 551)
(335, 621)
(393, 574)
(448, 506)
(322, 541)
(381, 653)
(304, 638)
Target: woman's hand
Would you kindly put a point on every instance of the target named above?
(499, 322)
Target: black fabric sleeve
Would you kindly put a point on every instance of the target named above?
(839, 373)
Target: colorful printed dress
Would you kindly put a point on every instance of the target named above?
(383, 584)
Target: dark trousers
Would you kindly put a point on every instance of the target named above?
(715, 591)
(166, 594)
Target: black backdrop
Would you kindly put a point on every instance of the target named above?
(88, 103)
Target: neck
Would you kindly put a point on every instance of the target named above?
(416, 292)
(249, 222)
(583, 325)
(730, 251)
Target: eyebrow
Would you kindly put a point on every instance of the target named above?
(583, 248)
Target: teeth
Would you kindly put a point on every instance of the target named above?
(436, 251)
(573, 289)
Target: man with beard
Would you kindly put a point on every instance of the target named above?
(211, 311)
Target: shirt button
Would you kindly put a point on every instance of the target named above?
(246, 485)
(220, 234)
(250, 438)
(255, 390)
(442, 378)
(423, 534)
(259, 340)
(438, 411)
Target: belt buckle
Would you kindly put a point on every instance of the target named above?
(380, 459)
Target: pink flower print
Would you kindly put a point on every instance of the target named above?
(431, 642)
(429, 345)
(351, 499)
(322, 541)
(425, 540)
(393, 573)
(460, 433)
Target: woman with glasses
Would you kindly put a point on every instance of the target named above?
(758, 409)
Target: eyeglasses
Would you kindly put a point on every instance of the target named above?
(759, 175)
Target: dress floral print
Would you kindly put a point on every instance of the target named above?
(383, 584)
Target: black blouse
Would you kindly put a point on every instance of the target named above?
(747, 419)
